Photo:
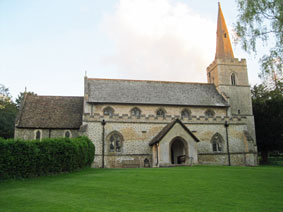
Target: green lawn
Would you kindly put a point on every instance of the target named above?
(198, 188)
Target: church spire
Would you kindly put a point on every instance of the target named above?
(223, 43)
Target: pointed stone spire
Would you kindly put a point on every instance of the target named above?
(223, 43)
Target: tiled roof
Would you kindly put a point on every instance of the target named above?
(167, 128)
(50, 112)
(153, 92)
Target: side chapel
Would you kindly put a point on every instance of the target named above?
(156, 123)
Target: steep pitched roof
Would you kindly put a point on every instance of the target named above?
(167, 128)
(153, 92)
(223, 43)
(50, 112)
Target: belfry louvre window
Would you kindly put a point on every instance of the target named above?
(160, 112)
(108, 111)
(233, 79)
(217, 143)
(115, 142)
(136, 112)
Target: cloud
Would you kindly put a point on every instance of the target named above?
(160, 40)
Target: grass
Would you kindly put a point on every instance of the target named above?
(198, 188)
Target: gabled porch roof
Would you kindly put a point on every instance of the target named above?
(167, 128)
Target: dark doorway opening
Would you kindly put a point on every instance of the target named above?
(178, 152)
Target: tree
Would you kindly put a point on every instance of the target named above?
(268, 113)
(7, 120)
(262, 20)
(4, 96)
(8, 113)
(21, 96)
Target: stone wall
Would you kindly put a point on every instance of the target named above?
(239, 98)
(138, 132)
(29, 134)
(236, 158)
(97, 109)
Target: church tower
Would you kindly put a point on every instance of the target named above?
(230, 75)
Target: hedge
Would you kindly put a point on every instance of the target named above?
(22, 159)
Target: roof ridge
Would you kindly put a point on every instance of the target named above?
(58, 96)
(154, 81)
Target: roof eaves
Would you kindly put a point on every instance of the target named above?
(225, 104)
(167, 128)
(20, 112)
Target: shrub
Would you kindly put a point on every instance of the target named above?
(22, 159)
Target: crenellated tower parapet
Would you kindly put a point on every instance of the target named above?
(227, 61)
(228, 71)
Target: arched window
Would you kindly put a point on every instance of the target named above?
(115, 142)
(160, 112)
(186, 113)
(209, 113)
(136, 112)
(108, 111)
(233, 79)
(37, 135)
(67, 134)
(217, 143)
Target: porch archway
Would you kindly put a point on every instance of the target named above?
(178, 151)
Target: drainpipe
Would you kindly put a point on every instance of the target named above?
(157, 162)
(103, 123)
(226, 126)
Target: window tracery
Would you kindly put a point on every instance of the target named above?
(186, 113)
(136, 112)
(217, 143)
(160, 112)
(209, 113)
(115, 142)
(108, 111)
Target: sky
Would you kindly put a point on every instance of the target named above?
(49, 45)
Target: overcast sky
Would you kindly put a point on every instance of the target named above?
(47, 45)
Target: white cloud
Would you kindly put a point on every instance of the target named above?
(160, 40)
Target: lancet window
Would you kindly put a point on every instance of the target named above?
(67, 134)
(37, 135)
(217, 143)
(233, 79)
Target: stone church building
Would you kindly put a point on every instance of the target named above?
(136, 123)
